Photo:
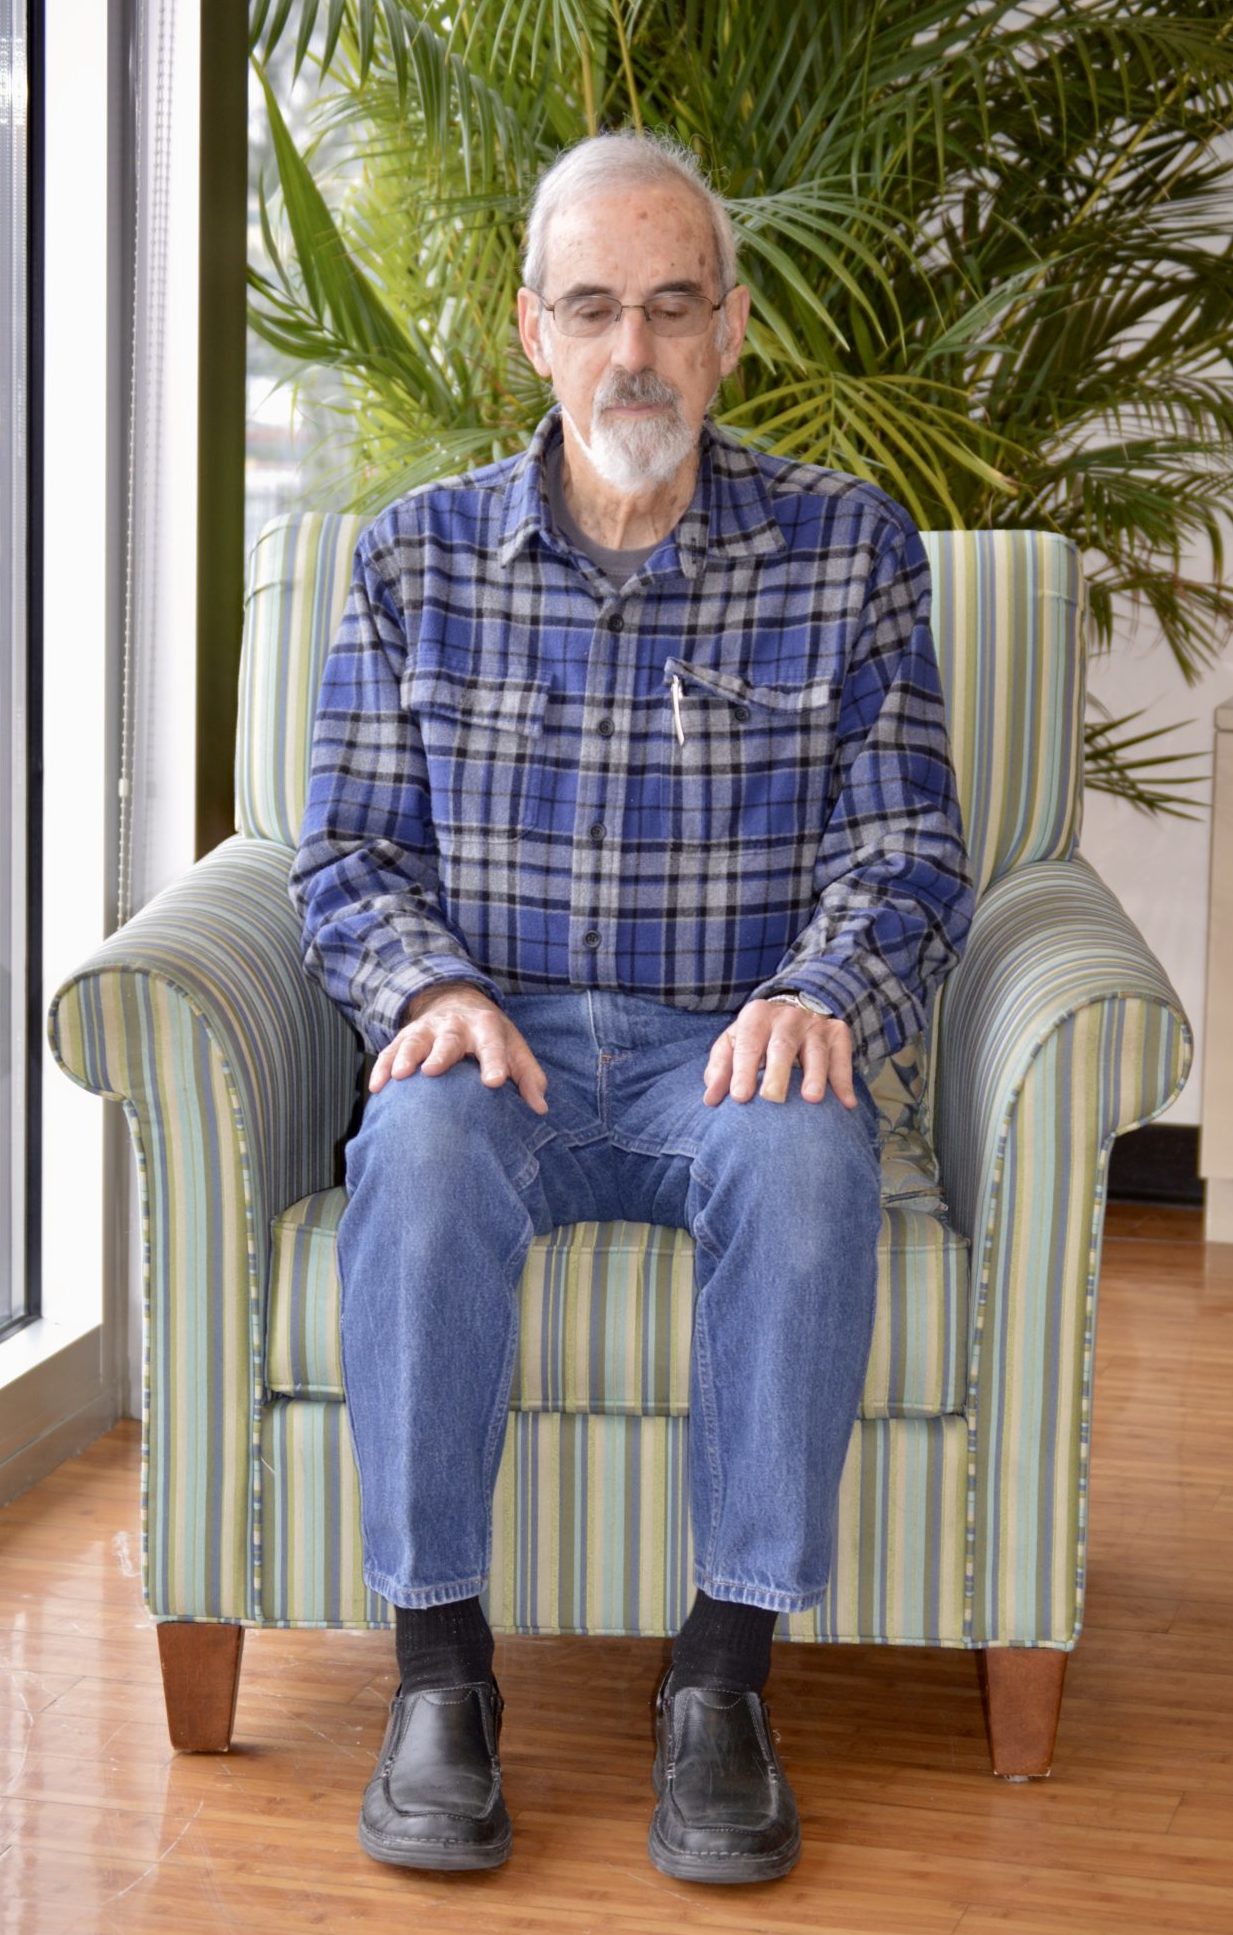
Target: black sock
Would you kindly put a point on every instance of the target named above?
(443, 1645)
(724, 1644)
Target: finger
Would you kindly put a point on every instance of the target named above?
(413, 1047)
(492, 1054)
(840, 1039)
(815, 1056)
(528, 1074)
(782, 1047)
(718, 1071)
(396, 1059)
(746, 1058)
(450, 1044)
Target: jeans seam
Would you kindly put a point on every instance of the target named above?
(365, 1543)
(634, 1146)
(789, 1602)
(443, 1593)
(499, 1422)
(710, 1429)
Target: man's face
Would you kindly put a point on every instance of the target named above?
(635, 400)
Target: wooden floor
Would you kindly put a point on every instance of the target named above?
(103, 1828)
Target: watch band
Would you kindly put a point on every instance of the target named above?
(803, 1001)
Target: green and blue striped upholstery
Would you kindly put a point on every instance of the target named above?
(963, 1510)
(607, 1314)
(591, 1531)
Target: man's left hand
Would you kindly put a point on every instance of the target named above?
(781, 1035)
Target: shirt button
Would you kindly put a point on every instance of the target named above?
(597, 832)
(616, 623)
(591, 937)
(742, 712)
(605, 728)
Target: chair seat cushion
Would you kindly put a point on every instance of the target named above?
(607, 1308)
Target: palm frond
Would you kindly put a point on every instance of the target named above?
(1140, 782)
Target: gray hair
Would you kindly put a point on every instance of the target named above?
(604, 161)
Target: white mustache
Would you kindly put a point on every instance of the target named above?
(627, 391)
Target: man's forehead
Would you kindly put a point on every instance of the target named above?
(671, 222)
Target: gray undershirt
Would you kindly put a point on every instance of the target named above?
(617, 565)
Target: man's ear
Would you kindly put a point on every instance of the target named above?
(530, 325)
(736, 311)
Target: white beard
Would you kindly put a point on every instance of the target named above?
(629, 455)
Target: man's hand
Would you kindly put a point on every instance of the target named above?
(782, 1035)
(453, 1020)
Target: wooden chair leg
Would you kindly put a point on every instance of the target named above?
(201, 1678)
(1021, 1689)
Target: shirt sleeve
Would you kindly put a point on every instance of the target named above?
(892, 876)
(364, 881)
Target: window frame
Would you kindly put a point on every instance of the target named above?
(25, 1252)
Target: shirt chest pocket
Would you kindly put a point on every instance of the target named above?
(483, 740)
(750, 763)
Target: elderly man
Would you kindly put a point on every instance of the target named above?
(630, 783)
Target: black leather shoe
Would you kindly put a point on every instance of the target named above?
(435, 1798)
(726, 1811)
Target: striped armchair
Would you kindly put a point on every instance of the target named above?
(963, 1507)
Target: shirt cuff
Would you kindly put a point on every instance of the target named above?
(386, 1017)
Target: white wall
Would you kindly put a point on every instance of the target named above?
(1158, 866)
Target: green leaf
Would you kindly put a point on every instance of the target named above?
(256, 21)
(274, 32)
(308, 20)
(333, 27)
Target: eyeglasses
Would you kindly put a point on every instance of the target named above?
(666, 315)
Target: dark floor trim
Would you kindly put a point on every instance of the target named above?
(1158, 1163)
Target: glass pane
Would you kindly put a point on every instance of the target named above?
(13, 454)
(297, 412)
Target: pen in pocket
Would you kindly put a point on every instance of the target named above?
(676, 707)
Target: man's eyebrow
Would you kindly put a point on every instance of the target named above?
(682, 286)
(583, 289)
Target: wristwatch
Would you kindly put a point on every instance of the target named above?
(799, 1000)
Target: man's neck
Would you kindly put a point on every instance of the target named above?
(622, 520)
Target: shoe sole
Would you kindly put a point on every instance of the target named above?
(446, 1860)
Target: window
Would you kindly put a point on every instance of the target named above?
(296, 411)
(20, 663)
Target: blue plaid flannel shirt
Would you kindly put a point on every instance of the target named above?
(728, 777)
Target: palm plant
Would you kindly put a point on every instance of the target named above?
(988, 246)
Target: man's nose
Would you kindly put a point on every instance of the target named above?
(632, 339)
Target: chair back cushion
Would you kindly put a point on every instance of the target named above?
(298, 577)
(1007, 623)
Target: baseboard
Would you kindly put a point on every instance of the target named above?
(1158, 1163)
(72, 1435)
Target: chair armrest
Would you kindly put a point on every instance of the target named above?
(238, 1076)
(224, 941)
(1047, 941)
(1057, 1031)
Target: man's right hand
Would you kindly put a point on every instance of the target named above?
(450, 1021)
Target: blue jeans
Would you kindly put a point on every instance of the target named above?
(448, 1181)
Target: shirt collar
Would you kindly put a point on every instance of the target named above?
(729, 516)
